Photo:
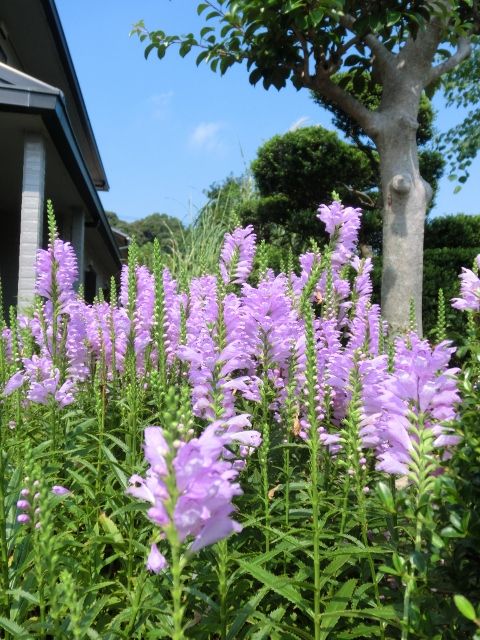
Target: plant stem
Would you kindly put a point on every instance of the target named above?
(363, 518)
(265, 485)
(314, 445)
(4, 579)
(346, 492)
(420, 470)
(287, 474)
(177, 587)
(101, 434)
(316, 528)
(136, 604)
(222, 556)
(40, 583)
(263, 455)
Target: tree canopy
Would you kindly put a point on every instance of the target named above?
(165, 228)
(294, 173)
(403, 46)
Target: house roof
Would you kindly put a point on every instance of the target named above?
(21, 93)
(19, 88)
(34, 29)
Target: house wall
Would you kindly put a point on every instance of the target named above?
(11, 163)
(9, 240)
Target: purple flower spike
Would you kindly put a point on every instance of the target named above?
(66, 272)
(205, 484)
(469, 290)
(156, 561)
(237, 253)
(342, 225)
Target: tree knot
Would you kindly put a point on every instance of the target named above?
(401, 183)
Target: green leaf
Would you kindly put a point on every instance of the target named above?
(201, 57)
(384, 493)
(205, 30)
(316, 16)
(244, 613)
(418, 561)
(437, 541)
(333, 568)
(390, 570)
(278, 584)
(465, 607)
(360, 631)
(110, 527)
(337, 604)
(393, 18)
(13, 628)
(185, 48)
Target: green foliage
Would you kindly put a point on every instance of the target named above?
(276, 40)
(293, 174)
(451, 242)
(329, 548)
(167, 229)
(461, 142)
(307, 164)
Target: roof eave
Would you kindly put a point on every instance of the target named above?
(67, 63)
(54, 115)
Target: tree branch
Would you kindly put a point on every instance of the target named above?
(379, 50)
(463, 51)
(323, 84)
(306, 56)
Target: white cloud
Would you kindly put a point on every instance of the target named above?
(301, 122)
(160, 103)
(206, 137)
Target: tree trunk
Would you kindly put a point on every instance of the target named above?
(405, 199)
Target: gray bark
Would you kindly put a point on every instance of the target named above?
(405, 196)
(405, 193)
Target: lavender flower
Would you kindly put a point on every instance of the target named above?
(60, 491)
(173, 302)
(236, 258)
(57, 270)
(23, 518)
(469, 290)
(14, 383)
(422, 383)
(204, 484)
(342, 225)
(156, 561)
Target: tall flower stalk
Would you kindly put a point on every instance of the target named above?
(314, 448)
(190, 486)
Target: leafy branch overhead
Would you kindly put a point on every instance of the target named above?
(333, 47)
(308, 43)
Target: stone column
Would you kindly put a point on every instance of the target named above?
(78, 241)
(31, 225)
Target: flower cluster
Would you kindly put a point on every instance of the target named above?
(469, 290)
(236, 258)
(232, 339)
(190, 486)
(27, 504)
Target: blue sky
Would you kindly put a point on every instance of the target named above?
(167, 129)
